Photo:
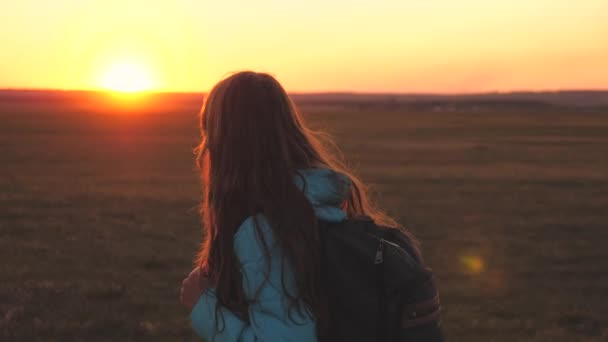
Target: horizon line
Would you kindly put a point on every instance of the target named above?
(332, 92)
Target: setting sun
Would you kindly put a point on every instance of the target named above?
(127, 77)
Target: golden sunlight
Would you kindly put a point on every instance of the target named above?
(127, 77)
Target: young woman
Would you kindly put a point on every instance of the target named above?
(267, 179)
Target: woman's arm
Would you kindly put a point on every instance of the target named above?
(268, 313)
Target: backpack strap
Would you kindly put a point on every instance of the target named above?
(421, 313)
(419, 319)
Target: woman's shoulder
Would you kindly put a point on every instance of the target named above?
(252, 237)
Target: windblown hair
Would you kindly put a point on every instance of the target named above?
(253, 142)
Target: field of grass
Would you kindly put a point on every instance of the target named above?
(98, 219)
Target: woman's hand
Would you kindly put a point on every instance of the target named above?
(192, 288)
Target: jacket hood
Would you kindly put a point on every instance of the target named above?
(326, 190)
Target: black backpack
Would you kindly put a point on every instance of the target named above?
(376, 285)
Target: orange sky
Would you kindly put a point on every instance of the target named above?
(310, 45)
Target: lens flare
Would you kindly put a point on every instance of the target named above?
(473, 264)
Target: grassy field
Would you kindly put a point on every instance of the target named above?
(98, 220)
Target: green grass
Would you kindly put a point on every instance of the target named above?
(98, 219)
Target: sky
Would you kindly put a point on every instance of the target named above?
(438, 46)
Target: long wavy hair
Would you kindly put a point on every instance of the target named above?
(253, 142)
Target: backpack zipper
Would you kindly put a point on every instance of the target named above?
(379, 253)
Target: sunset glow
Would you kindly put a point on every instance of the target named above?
(314, 45)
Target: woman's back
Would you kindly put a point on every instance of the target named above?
(264, 275)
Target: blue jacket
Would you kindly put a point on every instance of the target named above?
(269, 321)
